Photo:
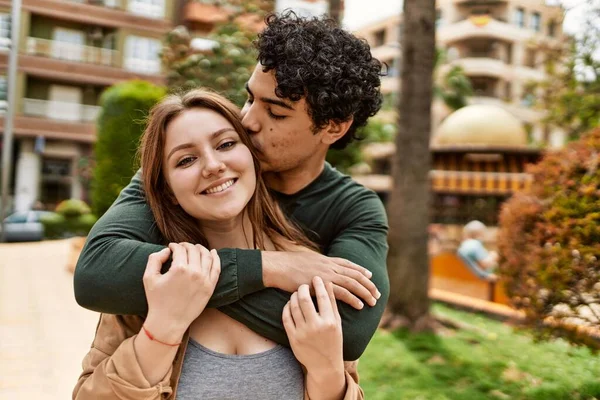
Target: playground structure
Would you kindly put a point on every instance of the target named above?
(479, 157)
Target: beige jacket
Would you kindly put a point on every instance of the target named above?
(111, 370)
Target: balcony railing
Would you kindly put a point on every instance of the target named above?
(71, 52)
(60, 110)
(103, 3)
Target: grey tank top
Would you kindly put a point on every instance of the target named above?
(274, 374)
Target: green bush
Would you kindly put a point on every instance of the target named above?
(73, 208)
(72, 218)
(54, 225)
(549, 241)
(375, 131)
(120, 126)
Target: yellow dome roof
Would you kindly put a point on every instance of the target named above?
(481, 126)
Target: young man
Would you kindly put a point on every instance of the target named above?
(314, 85)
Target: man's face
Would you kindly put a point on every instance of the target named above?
(281, 130)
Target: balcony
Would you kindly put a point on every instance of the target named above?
(497, 29)
(107, 13)
(103, 3)
(71, 52)
(59, 110)
(480, 66)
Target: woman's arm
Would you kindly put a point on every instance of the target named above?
(131, 360)
(111, 365)
(316, 340)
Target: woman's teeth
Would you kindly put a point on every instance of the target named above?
(220, 188)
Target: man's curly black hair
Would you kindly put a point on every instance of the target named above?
(330, 67)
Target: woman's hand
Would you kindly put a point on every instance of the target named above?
(316, 339)
(178, 297)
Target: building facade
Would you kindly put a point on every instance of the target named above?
(499, 45)
(69, 52)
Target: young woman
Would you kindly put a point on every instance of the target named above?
(203, 184)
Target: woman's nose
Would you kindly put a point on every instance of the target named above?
(213, 166)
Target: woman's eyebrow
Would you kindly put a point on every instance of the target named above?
(213, 136)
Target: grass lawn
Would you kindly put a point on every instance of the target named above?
(490, 361)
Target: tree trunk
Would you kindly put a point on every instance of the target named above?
(408, 206)
(335, 10)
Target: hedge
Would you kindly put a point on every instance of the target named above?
(124, 108)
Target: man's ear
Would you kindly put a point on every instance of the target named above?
(336, 130)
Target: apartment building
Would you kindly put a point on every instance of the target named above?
(498, 43)
(69, 52)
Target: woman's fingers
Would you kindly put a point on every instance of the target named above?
(180, 258)
(331, 295)
(295, 309)
(156, 261)
(215, 268)
(323, 298)
(193, 255)
(288, 320)
(306, 304)
(205, 259)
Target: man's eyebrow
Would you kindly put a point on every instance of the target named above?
(268, 100)
(213, 136)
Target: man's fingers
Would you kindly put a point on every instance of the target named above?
(356, 289)
(180, 258)
(156, 261)
(349, 264)
(323, 299)
(363, 280)
(343, 294)
(295, 309)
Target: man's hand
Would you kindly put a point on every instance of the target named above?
(289, 270)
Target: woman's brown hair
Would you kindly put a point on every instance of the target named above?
(173, 222)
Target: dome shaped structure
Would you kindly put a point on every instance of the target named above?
(481, 126)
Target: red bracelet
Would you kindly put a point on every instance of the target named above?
(151, 337)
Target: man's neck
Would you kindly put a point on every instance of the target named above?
(293, 180)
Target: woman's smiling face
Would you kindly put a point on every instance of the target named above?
(208, 168)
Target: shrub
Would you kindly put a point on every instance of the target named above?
(73, 208)
(549, 241)
(72, 218)
(120, 125)
(375, 131)
(54, 225)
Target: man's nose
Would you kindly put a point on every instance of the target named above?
(249, 120)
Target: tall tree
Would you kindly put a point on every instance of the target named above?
(408, 207)
(571, 93)
(335, 10)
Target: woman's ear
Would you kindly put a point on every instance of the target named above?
(334, 131)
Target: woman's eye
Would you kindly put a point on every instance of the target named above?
(185, 161)
(226, 145)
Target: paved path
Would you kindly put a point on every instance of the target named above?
(44, 334)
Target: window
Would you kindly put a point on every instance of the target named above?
(520, 17)
(438, 17)
(141, 54)
(536, 22)
(3, 94)
(5, 24)
(379, 38)
(552, 28)
(148, 8)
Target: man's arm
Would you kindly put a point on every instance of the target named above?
(108, 277)
(362, 240)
